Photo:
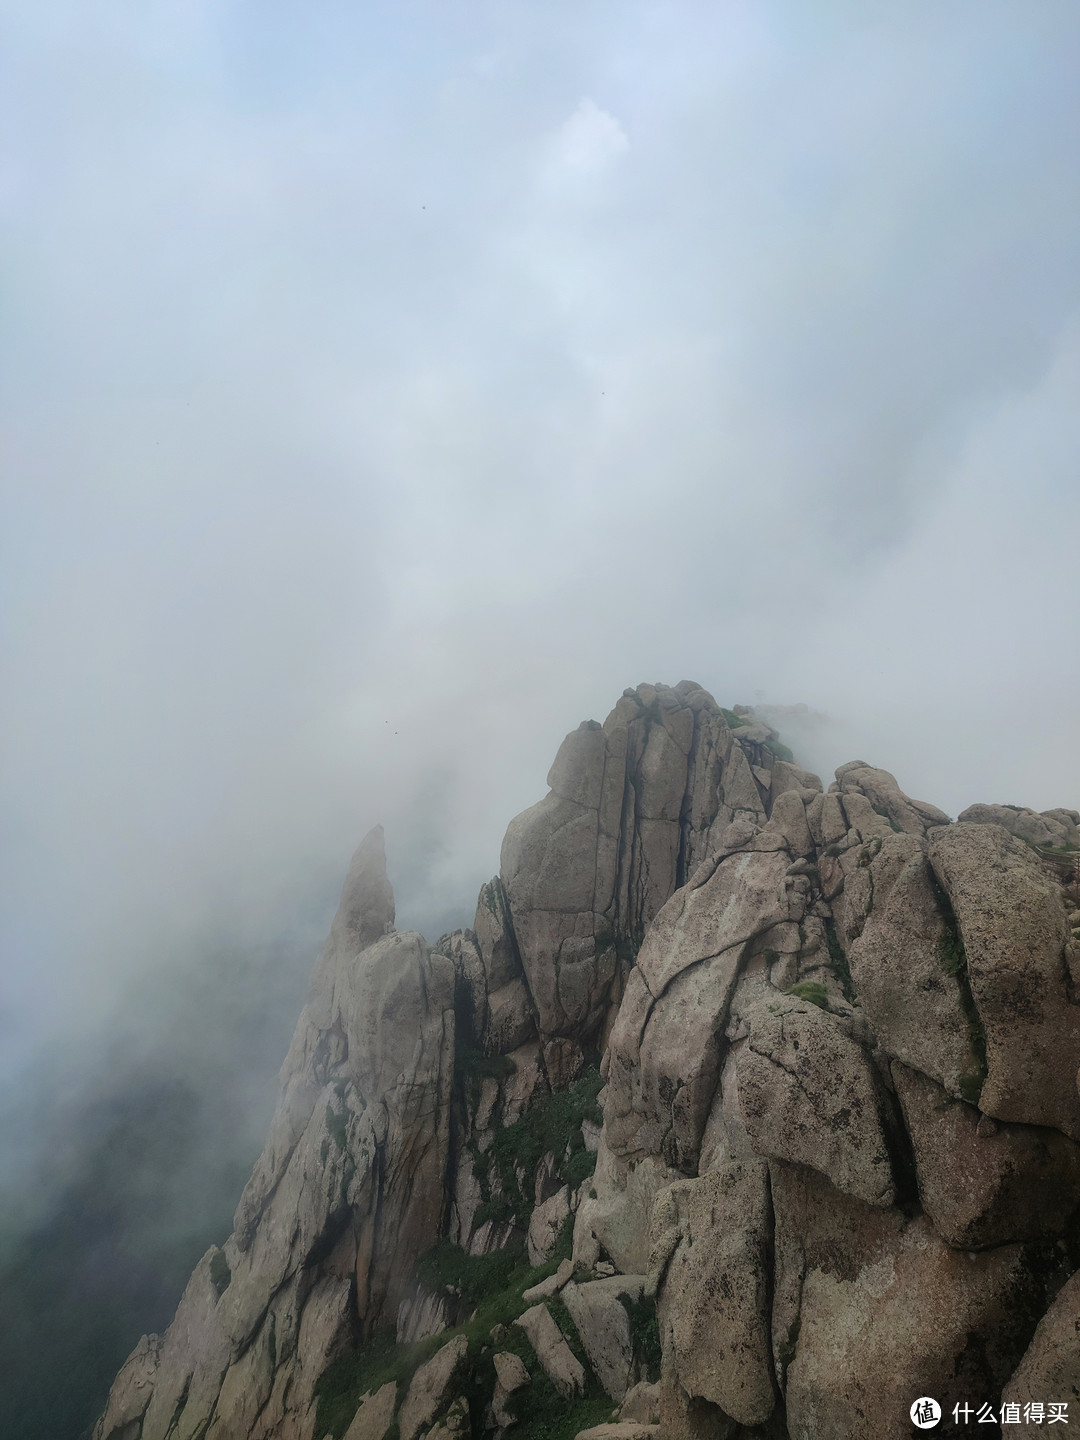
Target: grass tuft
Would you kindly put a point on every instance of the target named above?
(811, 990)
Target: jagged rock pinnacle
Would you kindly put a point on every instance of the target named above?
(366, 911)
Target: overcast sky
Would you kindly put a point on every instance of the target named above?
(385, 386)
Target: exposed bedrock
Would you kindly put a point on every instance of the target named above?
(839, 1161)
(348, 1191)
(635, 805)
(1022, 967)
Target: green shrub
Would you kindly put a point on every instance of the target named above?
(811, 990)
(472, 1061)
(380, 1360)
(446, 1266)
(644, 1334)
(579, 1167)
(545, 1415)
(552, 1125)
(838, 962)
(732, 719)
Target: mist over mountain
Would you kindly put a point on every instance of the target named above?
(747, 1107)
(384, 389)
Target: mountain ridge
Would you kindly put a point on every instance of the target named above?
(838, 1037)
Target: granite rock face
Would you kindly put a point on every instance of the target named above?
(635, 805)
(348, 1190)
(838, 1039)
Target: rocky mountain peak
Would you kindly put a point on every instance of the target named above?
(747, 1108)
(366, 910)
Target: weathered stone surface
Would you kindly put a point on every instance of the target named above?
(510, 1376)
(786, 776)
(642, 1403)
(872, 1309)
(808, 1095)
(620, 1430)
(1050, 1369)
(713, 1304)
(510, 1371)
(788, 819)
(525, 1083)
(494, 930)
(374, 1415)
(455, 1424)
(420, 1314)
(691, 1418)
(431, 1388)
(352, 1177)
(564, 1061)
(1069, 820)
(635, 806)
(131, 1392)
(192, 1360)
(887, 799)
(677, 838)
(1050, 828)
(326, 1327)
(1013, 925)
(982, 1182)
(545, 1225)
(560, 1364)
(663, 1053)
(900, 967)
(366, 911)
(558, 869)
(510, 1019)
(616, 1217)
(545, 1289)
(603, 1324)
(461, 949)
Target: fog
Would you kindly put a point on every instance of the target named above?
(387, 386)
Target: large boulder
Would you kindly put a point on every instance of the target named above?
(886, 799)
(714, 1298)
(809, 1095)
(131, 1392)
(559, 863)
(560, 1364)
(983, 1182)
(664, 1052)
(546, 1224)
(374, 1415)
(871, 1310)
(510, 1376)
(1050, 1369)
(603, 1323)
(1016, 939)
(902, 969)
(1056, 828)
(431, 1388)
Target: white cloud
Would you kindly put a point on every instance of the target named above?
(369, 429)
(589, 140)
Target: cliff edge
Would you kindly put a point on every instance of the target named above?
(745, 1108)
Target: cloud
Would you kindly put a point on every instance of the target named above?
(377, 408)
(589, 140)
